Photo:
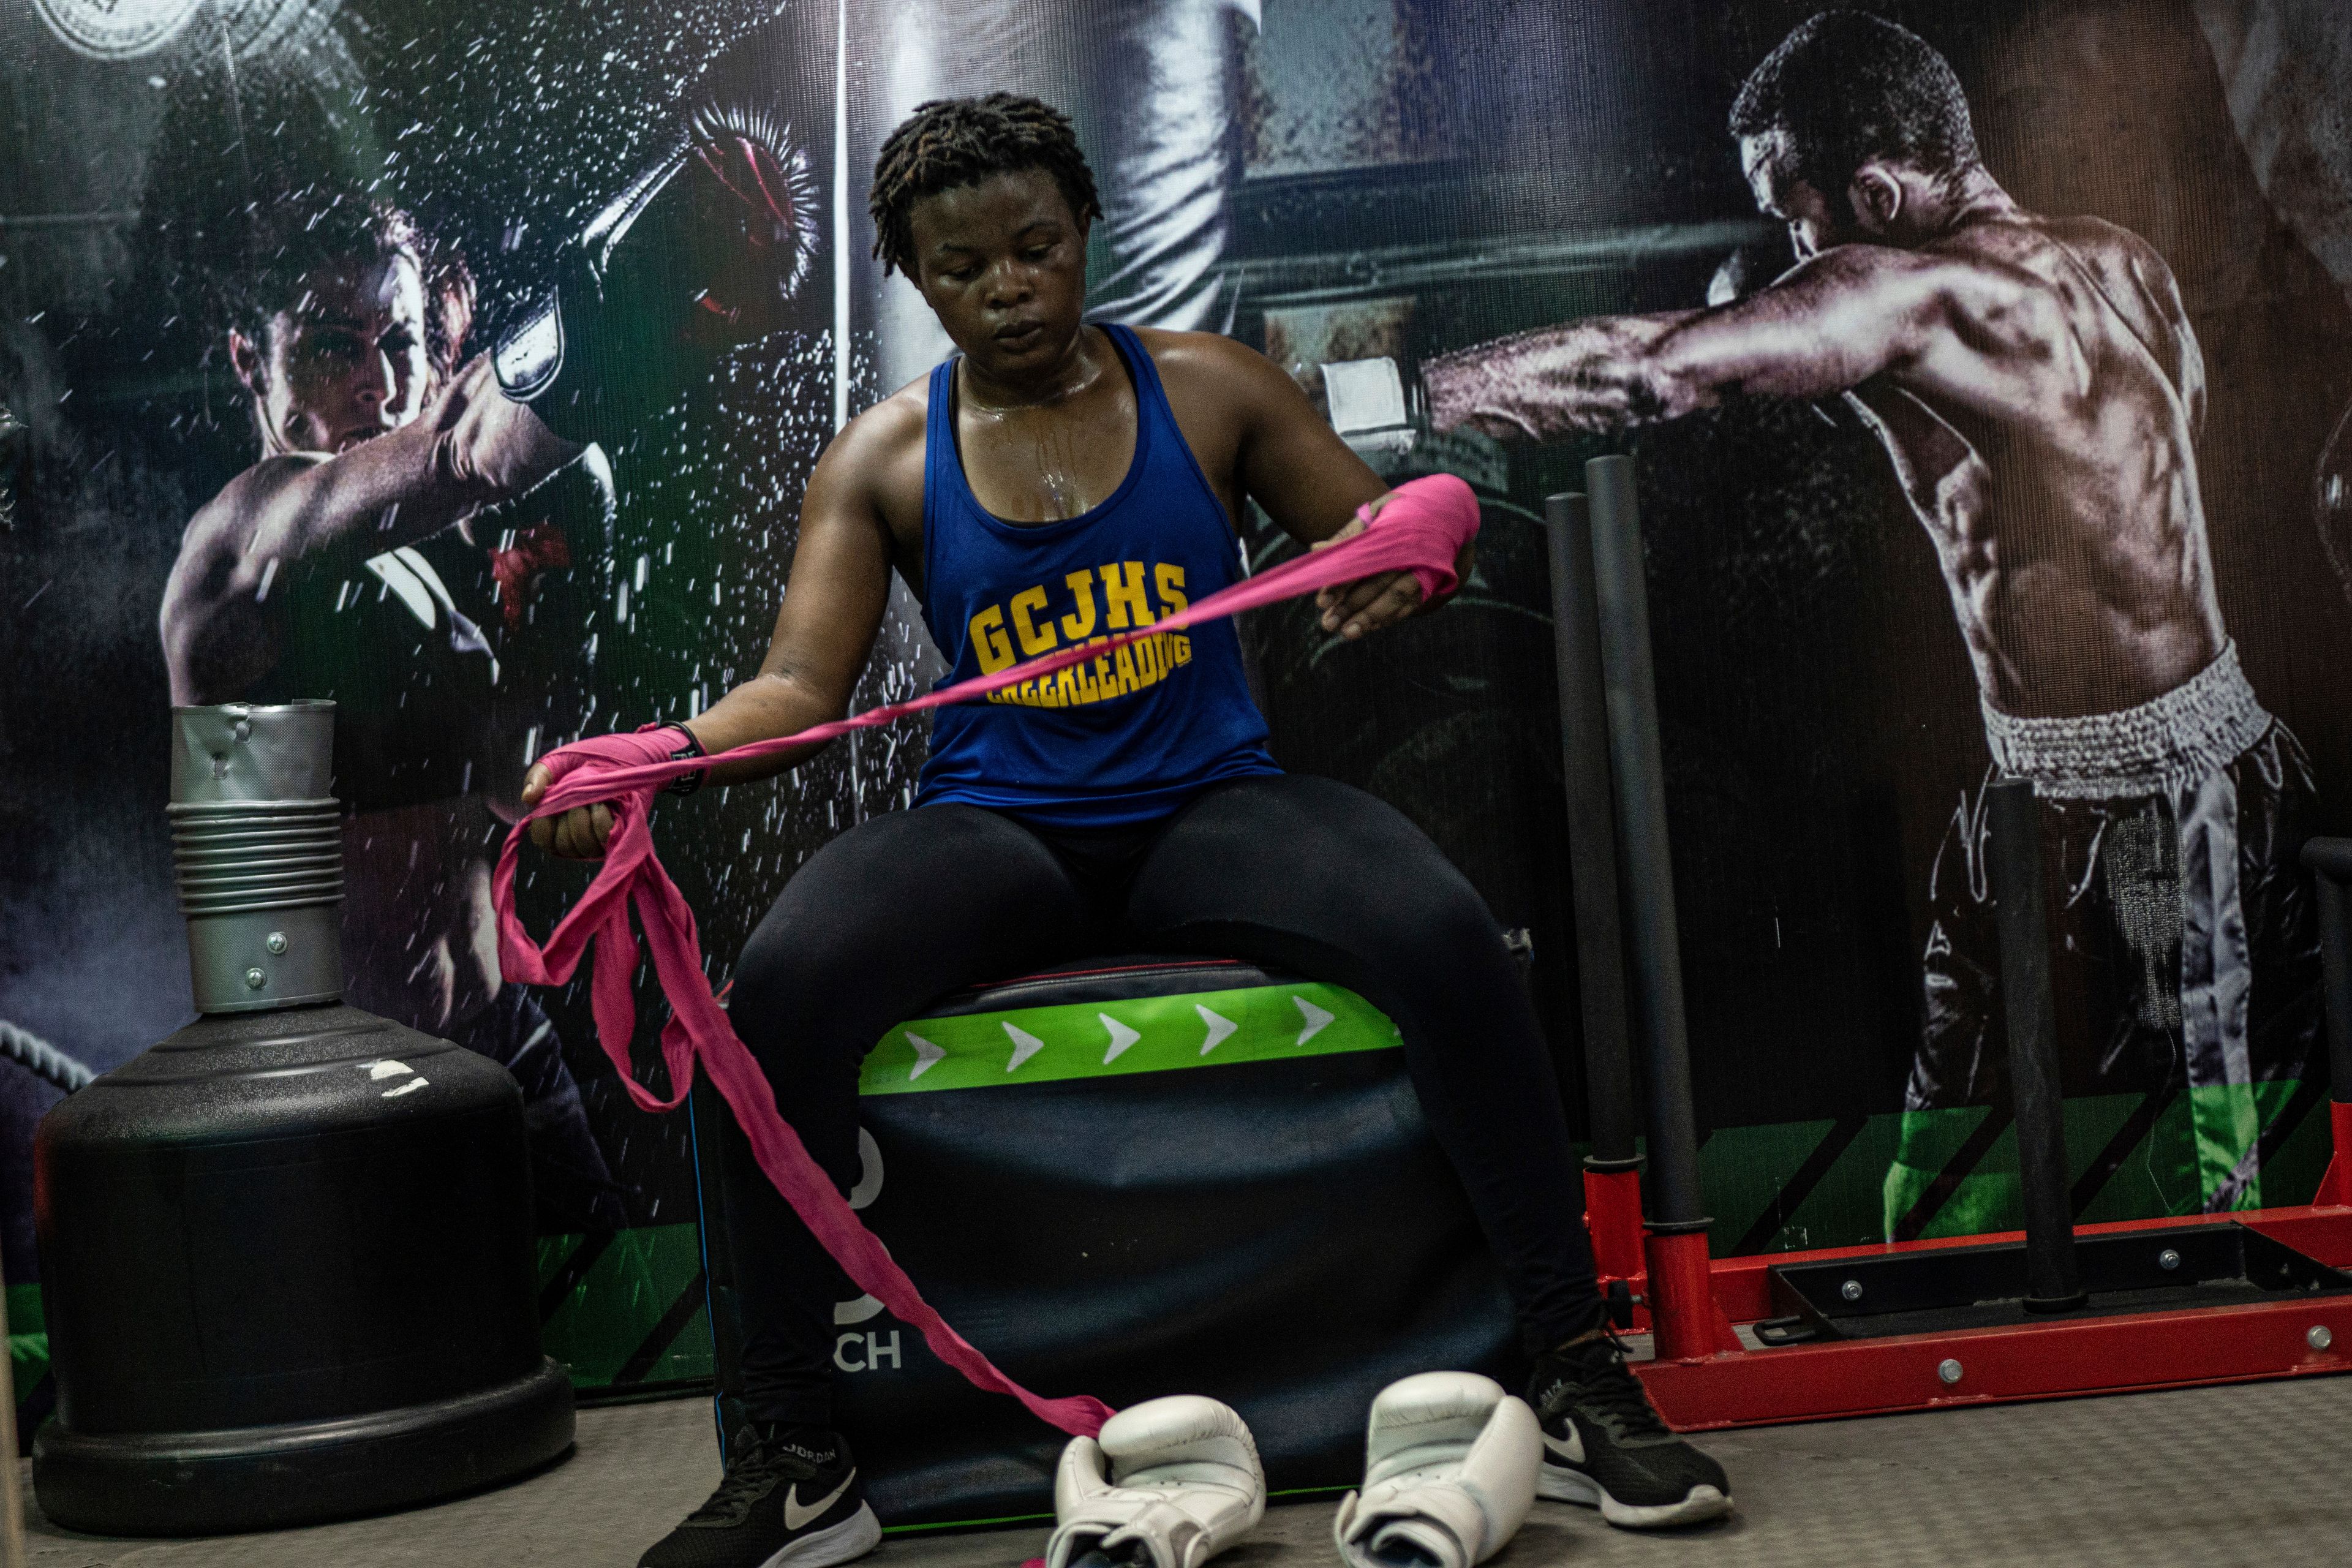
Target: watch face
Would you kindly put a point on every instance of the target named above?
(116, 29)
(2332, 500)
(16, 442)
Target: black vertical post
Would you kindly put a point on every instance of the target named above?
(2053, 1277)
(1676, 1204)
(711, 1127)
(2331, 860)
(1592, 837)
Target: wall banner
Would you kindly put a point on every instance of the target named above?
(1987, 368)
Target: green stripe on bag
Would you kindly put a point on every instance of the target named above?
(1105, 1039)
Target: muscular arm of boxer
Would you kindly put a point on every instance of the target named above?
(1831, 323)
(472, 446)
(469, 446)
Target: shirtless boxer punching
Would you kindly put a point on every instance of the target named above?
(394, 480)
(1052, 482)
(2036, 384)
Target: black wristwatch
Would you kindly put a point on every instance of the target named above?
(687, 783)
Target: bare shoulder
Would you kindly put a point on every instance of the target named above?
(2037, 250)
(1882, 291)
(1224, 392)
(214, 626)
(1994, 254)
(879, 445)
(256, 487)
(874, 468)
(2121, 259)
(885, 431)
(2000, 275)
(1864, 273)
(2097, 238)
(1212, 357)
(216, 536)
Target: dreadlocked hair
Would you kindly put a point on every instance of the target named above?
(952, 142)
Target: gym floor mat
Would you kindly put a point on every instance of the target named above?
(2206, 1477)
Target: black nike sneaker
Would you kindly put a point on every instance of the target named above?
(791, 1500)
(1605, 1446)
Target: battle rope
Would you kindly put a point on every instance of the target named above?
(1421, 530)
(43, 1060)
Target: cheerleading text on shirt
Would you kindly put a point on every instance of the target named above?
(1027, 625)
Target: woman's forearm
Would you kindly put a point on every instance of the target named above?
(761, 708)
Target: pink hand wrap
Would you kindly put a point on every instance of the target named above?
(1422, 530)
(1436, 509)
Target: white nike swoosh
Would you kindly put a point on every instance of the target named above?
(1570, 1447)
(796, 1517)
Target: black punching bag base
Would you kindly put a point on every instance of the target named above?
(268, 1477)
(287, 1263)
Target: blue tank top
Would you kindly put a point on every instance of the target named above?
(1125, 738)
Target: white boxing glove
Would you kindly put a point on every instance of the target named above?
(1171, 1483)
(1449, 1474)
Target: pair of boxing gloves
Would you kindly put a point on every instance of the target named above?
(1449, 1474)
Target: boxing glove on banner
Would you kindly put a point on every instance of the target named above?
(1169, 1484)
(705, 249)
(1450, 1466)
(1376, 405)
(1382, 408)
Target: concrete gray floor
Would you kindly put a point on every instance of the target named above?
(2211, 1477)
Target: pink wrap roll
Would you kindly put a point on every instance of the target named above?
(1422, 529)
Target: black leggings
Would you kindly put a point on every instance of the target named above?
(1293, 872)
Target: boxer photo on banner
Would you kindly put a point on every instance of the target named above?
(2040, 390)
(264, 420)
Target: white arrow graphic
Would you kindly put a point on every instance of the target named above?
(1024, 1046)
(1316, 1018)
(1121, 1036)
(1219, 1029)
(927, 1055)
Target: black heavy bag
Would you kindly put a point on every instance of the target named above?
(1142, 1177)
(286, 1254)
